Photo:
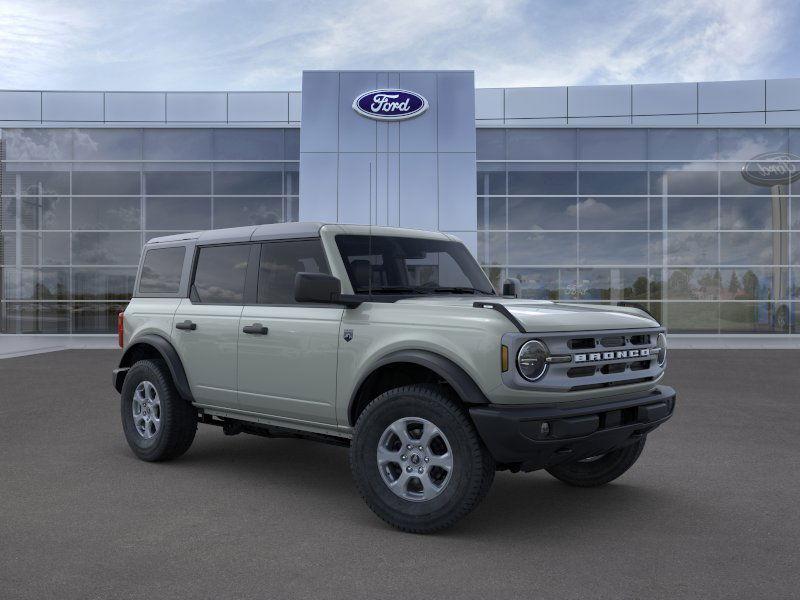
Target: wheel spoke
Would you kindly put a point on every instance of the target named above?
(443, 461)
(429, 432)
(386, 456)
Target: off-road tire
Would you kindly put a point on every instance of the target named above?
(602, 470)
(178, 417)
(473, 466)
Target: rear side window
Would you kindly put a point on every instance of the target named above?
(220, 274)
(280, 262)
(161, 270)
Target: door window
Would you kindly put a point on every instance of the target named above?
(220, 274)
(280, 262)
(161, 271)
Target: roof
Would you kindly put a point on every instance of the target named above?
(277, 231)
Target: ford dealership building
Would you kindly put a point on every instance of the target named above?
(681, 197)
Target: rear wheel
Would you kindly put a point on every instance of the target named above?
(158, 423)
(601, 469)
(417, 460)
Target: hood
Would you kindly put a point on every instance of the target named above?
(542, 315)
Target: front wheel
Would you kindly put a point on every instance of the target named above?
(418, 461)
(601, 469)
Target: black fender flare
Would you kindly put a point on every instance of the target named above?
(167, 352)
(461, 382)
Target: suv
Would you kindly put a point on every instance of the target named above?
(392, 342)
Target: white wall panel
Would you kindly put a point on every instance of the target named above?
(730, 96)
(258, 106)
(599, 101)
(489, 103)
(20, 106)
(132, 107)
(418, 190)
(197, 107)
(664, 98)
(536, 103)
(72, 106)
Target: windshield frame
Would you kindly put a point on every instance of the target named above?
(479, 283)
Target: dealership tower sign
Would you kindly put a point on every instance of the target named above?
(390, 104)
(772, 168)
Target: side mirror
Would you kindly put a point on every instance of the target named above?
(511, 287)
(317, 287)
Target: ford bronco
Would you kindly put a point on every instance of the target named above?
(392, 342)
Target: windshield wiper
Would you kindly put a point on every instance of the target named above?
(390, 289)
(455, 290)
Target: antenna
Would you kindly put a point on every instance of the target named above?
(369, 253)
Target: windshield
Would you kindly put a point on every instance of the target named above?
(401, 265)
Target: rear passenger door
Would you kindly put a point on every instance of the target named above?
(287, 351)
(206, 325)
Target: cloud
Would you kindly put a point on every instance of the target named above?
(214, 44)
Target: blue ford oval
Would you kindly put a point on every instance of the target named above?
(390, 105)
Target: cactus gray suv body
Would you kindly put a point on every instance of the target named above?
(392, 342)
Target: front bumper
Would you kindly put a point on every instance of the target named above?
(531, 437)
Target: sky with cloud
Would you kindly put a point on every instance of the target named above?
(260, 45)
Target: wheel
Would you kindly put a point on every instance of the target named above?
(599, 470)
(418, 461)
(158, 423)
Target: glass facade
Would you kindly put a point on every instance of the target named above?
(78, 204)
(660, 217)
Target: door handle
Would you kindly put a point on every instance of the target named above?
(187, 325)
(256, 328)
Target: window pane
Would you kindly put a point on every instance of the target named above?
(36, 284)
(682, 144)
(692, 248)
(291, 178)
(693, 284)
(542, 248)
(754, 213)
(48, 248)
(541, 144)
(106, 213)
(523, 182)
(103, 284)
(178, 144)
(733, 182)
(746, 317)
(542, 213)
(38, 144)
(45, 213)
(490, 144)
(492, 248)
(235, 212)
(613, 182)
(36, 183)
(177, 182)
(612, 213)
(280, 262)
(107, 144)
(753, 283)
(118, 183)
(608, 144)
(248, 144)
(546, 284)
(34, 317)
(684, 183)
(613, 284)
(749, 248)
(251, 183)
(692, 213)
(179, 214)
(692, 317)
(613, 249)
(220, 274)
(492, 213)
(746, 144)
(291, 143)
(491, 179)
(161, 271)
(95, 318)
(100, 248)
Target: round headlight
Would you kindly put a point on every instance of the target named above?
(532, 360)
(661, 349)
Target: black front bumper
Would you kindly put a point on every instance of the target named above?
(531, 437)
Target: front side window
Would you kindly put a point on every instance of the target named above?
(161, 271)
(281, 262)
(220, 274)
(399, 265)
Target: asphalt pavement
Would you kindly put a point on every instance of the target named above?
(709, 511)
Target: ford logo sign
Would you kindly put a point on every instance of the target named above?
(390, 105)
(772, 168)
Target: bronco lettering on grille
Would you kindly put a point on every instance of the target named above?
(616, 355)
